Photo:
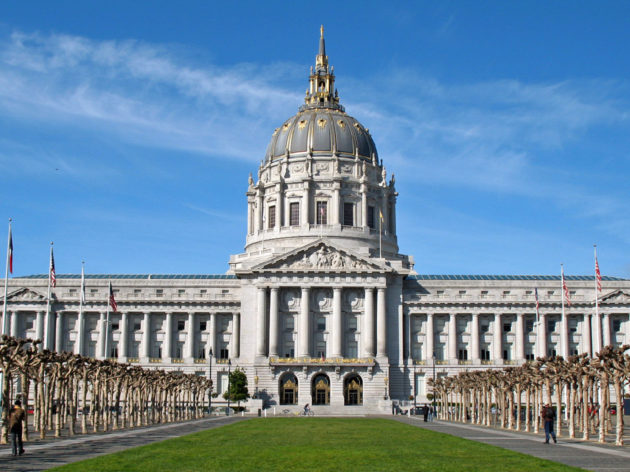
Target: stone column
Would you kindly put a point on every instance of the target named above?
(261, 328)
(541, 337)
(58, 332)
(273, 322)
(279, 210)
(597, 333)
(124, 336)
(304, 347)
(258, 216)
(334, 213)
(520, 337)
(190, 338)
(212, 337)
(39, 329)
(381, 323)
(79, 346)
(606, 329)
(167, 348)
(368, 340)
(101, 335)
(146, 337)
(498, 339)
(474, 336)
(429, 337)
(250, 223)
(564, 335)
(452, 338)
(306, 204)
(588, 335)
(13, 316)
(236, 334)
(337, 325)
(364, 206)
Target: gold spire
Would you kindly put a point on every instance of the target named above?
(321, 90)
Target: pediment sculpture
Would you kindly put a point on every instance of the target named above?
(26, 295)
(321, 257)
(618, 296)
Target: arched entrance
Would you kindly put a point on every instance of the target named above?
(320, 390)
(288, 389)
(353, 390)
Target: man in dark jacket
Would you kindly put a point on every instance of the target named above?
(549, 415)
(16, 417)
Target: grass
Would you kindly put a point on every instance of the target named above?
(317, 444)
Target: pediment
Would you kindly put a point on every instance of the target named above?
(321, 257)
(26, 295)
(616, 296)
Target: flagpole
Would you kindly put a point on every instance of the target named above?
(47, 320)
(6, 284)
(105, 354)
(564, 334)
(599, 341)
(380, 233)
(538, 325)
(79, 346)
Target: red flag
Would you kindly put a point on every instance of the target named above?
(10, 253)
(598, 275)
(53, 275)
(112, 300)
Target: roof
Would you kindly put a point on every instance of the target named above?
(509, 277)
(132, 276)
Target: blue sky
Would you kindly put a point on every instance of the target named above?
(128, 129)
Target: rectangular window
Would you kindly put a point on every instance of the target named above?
(224, 353)
(29, 324)
(272, 217)
(322, 213)
(115, 326)
(370, 217)
(506, 355)
(321, 349)
(348, 214)
(294, 214)
(529, 326)
(289, 323)
(616, 326)
(159, 293)
(321, 324)
(352, 323)
(352, 349)
(507, 327)
(136, 326)
(485, 355)
(203, 325)
(551, 353)
(181, 325)
(530, 357)
(462, 354)
(201, 354)
(551, 326)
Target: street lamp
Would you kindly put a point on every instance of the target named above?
(210, 379)
(227, 412)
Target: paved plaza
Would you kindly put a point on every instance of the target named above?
(574, 452)
(42, 455)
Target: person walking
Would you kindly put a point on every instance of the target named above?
(549, 415)
(425, 411)
(16, 417)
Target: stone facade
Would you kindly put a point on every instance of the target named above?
(321, 308)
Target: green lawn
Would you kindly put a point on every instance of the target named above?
(316, 444)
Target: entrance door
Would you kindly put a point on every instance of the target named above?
(353, 390)
(320, 391)
(288, 390)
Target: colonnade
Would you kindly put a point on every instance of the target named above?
(53, 330)
(596, 332)
(267, 336)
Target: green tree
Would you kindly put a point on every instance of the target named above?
(237, 387)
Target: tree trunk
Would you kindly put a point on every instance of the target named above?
(559, 408)
(619, 410)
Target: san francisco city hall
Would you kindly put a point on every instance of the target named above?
(321, 307)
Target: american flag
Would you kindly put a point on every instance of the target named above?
(565, 289)
(537, 304)
(53, 275)
(598, 275)
(112, 300)
(10, 253)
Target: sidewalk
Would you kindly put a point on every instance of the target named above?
(42, 455)
(572, 452)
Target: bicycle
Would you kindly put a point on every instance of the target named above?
(308, 412)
